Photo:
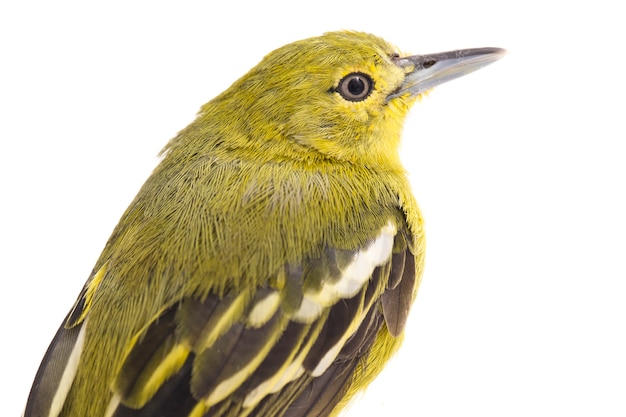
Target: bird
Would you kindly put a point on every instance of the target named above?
(268, 264)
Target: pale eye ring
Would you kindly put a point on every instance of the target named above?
(355, 86)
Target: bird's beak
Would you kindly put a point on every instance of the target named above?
(424, 72)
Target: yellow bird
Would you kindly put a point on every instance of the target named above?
(267, 266)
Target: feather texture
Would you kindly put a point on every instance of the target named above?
(246, 363)
(266, 267)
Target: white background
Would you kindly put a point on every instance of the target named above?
(519, 169)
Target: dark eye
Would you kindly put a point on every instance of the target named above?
(355, 87)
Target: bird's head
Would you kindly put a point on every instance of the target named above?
(342, 96)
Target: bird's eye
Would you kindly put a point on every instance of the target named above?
(355, 87)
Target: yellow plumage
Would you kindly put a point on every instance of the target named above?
(267, 266)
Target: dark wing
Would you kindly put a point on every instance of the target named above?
(60, 363)
(48, 391)
(290, 348)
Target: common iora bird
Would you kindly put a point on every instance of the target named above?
(267, 266)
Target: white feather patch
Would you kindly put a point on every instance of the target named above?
(112, 407)
(357, 273)
(310, 309)
(353, 276)
(264, 309)
(328, 358)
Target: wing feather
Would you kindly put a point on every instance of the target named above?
(60, 363)
(56, 372)
(174, 398)
(292, 347)
(396, 302)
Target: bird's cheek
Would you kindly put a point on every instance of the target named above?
(398, 108)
